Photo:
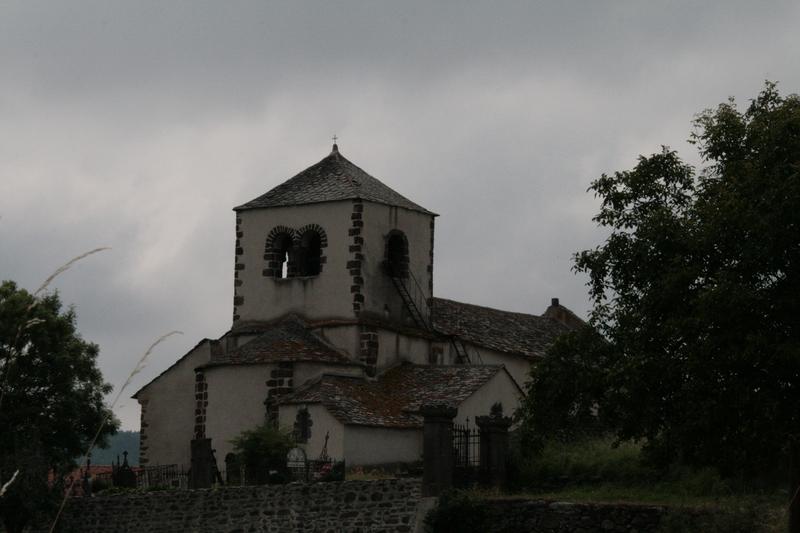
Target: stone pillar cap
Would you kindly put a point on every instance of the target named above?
(493, 421)
(443, 409)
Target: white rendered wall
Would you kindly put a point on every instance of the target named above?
(394, 347)
(328, 295)
(322, 423)
(236, 397)
(499, 389)
(345, 337)
(374, 446)
(379, 220)
(518, 366)
(319, 297)
(169, 411)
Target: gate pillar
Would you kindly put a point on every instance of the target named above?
(201, 475)
(437, 454)
(494, 445)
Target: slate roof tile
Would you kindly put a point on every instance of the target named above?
(394, 399)
(334, 178)
(504, 331)
(287, 340)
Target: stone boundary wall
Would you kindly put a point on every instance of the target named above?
(538, 516)
(346, 506)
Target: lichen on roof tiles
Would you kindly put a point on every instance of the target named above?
(394, 399)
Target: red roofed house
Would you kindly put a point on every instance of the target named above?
(336, 331)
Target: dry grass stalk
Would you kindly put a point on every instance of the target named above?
(8, 483)
(66, 266)
(140, 364)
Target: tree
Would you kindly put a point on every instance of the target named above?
(696, 299)
(563, 392)
(263, 450)
(52, 400)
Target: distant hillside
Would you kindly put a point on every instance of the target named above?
(122, 441)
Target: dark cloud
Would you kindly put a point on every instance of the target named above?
(139, 125)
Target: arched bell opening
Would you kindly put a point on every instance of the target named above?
(397, 254)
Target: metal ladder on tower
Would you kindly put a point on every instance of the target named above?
(413, 296)
(421, 312)
(462, 355)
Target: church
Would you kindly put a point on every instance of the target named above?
(336, 333)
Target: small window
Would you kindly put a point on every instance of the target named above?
(302, 425)
(397, 255)
(309, 254)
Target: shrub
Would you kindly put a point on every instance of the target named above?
(263, 450)
(458, 512)
(595, 460)
(99, 485)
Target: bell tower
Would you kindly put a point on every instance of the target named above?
(333, 244)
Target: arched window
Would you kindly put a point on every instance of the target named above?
(302, 425)
(397, 255)
(290, 253)
(310, 253)
(282, 255)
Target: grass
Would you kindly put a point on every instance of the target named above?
(596, 471)
(368, 473)
(588, 461)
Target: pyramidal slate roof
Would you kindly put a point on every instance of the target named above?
(332, 179)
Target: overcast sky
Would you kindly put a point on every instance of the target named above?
(139, 125)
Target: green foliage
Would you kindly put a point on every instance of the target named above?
(52, 399)
(29, 499)
(100, 485)
(596, 470)
(561, 400)
(695, 298)
(263, 450)
(458, 512)
(586, 461)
